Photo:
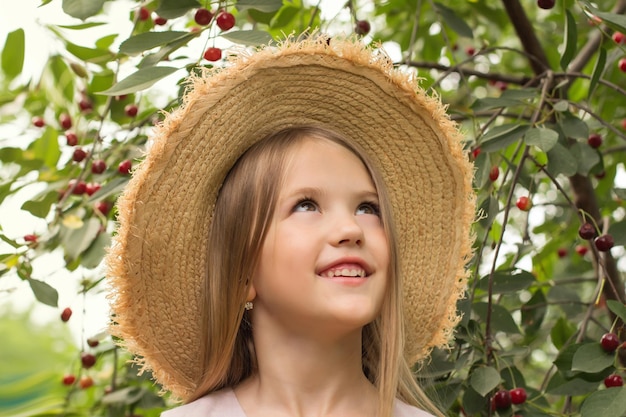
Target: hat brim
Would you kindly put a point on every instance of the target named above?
(158, 261)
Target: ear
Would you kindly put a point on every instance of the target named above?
(251, 292)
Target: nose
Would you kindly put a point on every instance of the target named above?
(346, 231)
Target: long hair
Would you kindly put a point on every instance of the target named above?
(243, 211)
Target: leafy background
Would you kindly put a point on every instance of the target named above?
(532, 88)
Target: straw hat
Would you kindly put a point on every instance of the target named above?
(157, 263)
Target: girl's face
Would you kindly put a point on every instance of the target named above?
(325, 258)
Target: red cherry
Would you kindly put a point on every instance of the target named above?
(501, 85)
(160, 21)
(619, 37)
(93, 342)
(78, 188)
(609, 342)
(623, 123)
(124, 167)
(470, 51)
(144, 14)
(518, 396)
(66, 314)
(594, 140)
(523, 203)
(622, 64)
(587, 231)
(604, 243)
(30, 238)
(562, 252)
(92, 188)
(65, 121)
(98, 166)
(72, 139)
(546, 4)
(79, 155)
(131, 110)
(69, 379)
(87, 359)
(103, 207)
(613, 381)
(600, 175)
(38, 121)
(581, 250)
(225, 20)
(203, 16)
(502, 399)
(85, 382)
(494, 173)
(213, 54)
(85, 105)
(362, 27)
(475, 152)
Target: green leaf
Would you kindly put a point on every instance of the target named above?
(13, 54)
(265, 6)
(501, 319)
(571, 37)
(92, 257)
(76, 241)
(573, 127)
(82, 9)
(606, 403)
(559, 385)
(543, 138)
(126, 396)
(44, 293)
(96, 56)
(614, 21)
(110, 188)
(40, 205)
(586, 156)
(82, 26)
(598, 69)
(484, 379)
(502, 136)
(148, 40)
(171, 9)
(534, 312)
(618, 308)
(139, 80)
(153, 59)
(455, 22)
(46, 148)
(248, 37)
(591, 358)
(561, 161)
(506, 282)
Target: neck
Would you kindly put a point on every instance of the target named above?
(307, 376)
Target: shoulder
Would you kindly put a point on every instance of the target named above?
(402, 409)
(221, 403)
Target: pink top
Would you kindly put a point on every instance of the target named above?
(224, 403)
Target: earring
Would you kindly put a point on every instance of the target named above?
(249, 305)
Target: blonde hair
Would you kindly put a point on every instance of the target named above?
(243, 211)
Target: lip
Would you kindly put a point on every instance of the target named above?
(349, 262)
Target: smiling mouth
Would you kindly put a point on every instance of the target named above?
(344, 272)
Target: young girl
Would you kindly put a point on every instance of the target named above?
(295, 238)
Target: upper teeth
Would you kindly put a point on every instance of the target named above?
(345, 272)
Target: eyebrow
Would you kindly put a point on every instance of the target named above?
(314, 191)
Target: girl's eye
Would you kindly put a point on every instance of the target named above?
(305, 204)
(368, 208)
